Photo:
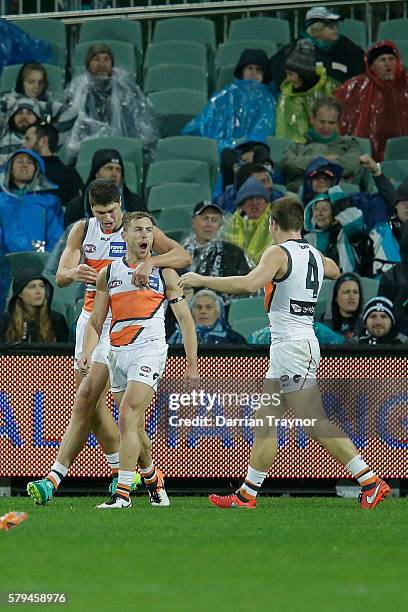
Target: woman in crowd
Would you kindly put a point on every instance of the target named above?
(346, 306)
(29, 317)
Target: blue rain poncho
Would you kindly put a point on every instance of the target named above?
(17, 47)
(242, 108)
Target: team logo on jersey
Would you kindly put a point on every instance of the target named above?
(89, 248)
(117, 249)
(154, 282)
(114, 283)
(302, 309)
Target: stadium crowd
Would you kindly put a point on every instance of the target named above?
(312, 121)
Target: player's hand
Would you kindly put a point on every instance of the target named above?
(371, 165)
(191, 376)
(84, 363)
(191, 279)
(141, 274)
(84, 274)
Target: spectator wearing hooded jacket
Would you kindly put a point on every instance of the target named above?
(375, 104)
(305, 83)
(394, 284)
(106, 164)
(208, 313)
(29, 211)
(30, 317)
(244, 108)
(341, 57)
(400, 216)
(248, 228)
(379, 323)
(20, 117)
(322, 140)
(344, 311)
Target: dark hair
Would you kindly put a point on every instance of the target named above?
(330, 103)
(288, 213)
(49, 131)
(29, 67)
(246, 171)
(103, 192)
(135, 214)
(337, 319)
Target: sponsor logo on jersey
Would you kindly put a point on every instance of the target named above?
(117, 249)
(154, 282)
(89, 248)
(114, 283)
(302, 309)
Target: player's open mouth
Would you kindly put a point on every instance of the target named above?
(143, 246)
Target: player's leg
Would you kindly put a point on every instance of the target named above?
(263, 452)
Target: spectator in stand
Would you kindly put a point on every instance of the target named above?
(32, 83)
(244, 108)
(22, 115)
(106, 164)
(305, 83)
(338, 54)
(43, 139)
(207, 309)
(343, 313)
(248, 228)
(30, 317)
(323, 140)
(375, 104)
(394, 284)
(109, 103)
(379, 323)
(400, 215)
(261, 172)
(30, 214)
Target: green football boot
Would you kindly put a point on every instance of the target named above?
(40, 491)
(136, 483)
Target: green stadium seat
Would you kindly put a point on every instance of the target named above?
(65, 295)
(325, 297)
(260, 28)
(246, 327)
(175, 219)
(229, 53)
(175, 76)
(131, 150)
(246, 308)
(369, 287)
(26, 260)
(190, 147)
(51, 30)
(184, 52)
(396, 170)
(173, 195)
(178, 171)
(55, 78)
(225, 77)
(396, 148)
(186, 28)
(133, 179)
(123, 52)
(403, 49)
(176, 107)
(355, 30)
(393, 29)
(278, 147)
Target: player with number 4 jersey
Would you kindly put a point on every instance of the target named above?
(291, 272)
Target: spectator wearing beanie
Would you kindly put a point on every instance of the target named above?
(338, 54)
(24, 113)
(109, 103)
(248, 228)
(304, 84)
(379, 323)
(242, 109)
(106, 164)
(375, 103)
(401, 210)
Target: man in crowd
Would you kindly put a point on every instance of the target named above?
(322, 139)
(375, 103)
(379, 323)
(25, 113)
(394, 284)
(401, 210)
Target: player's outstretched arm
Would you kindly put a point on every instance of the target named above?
(170, 255)
(94, 326)
(69, 268)
(273, 261)
(331, 269)
(182, 313)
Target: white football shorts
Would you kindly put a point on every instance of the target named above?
(294, 363)
(100, 354)
(143, 363)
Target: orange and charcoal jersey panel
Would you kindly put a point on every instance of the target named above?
(99, 250)
(137, 314)
(290, 301)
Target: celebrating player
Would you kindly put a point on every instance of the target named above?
(138, 350)
(99, 241)
(292, 272)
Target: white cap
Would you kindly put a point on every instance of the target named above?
(321, 13)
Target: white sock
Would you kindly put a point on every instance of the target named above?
(360, 470)
(113, 462)
(253, 481)
(124, 482)
(58, 472)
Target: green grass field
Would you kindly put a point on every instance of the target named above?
(289, 554)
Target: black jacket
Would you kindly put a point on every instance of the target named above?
(58, 322)
(66, 177)
(342, 61)
(394, 284)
